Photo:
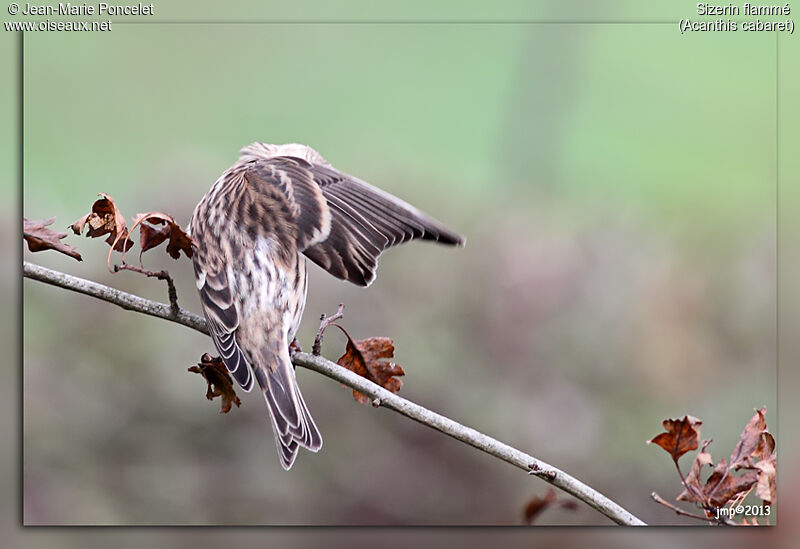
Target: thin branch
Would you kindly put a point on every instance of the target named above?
(160, 275)
(678, 511)
(470, 436)
(125, 300)
(380, 396)
(324, 322)
(698, 495)
(702, 500)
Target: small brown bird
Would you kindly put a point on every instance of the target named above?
(276, 203)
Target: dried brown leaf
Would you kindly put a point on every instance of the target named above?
(369, 358)
(150, 237)
(766, 446)
(752, 466)
(693, 487)
(105, 218)
(720, 470)
(537, 504)
(755, 452)
(570, 505)
(353, 361)
(731, 486)
(39, 238)
(766, 485)
(750, 441)
(377, 351)
(219, 381)
(80, 223)
(151, 234)
(723, 485)
(681, 436)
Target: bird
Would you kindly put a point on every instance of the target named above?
(275, 207)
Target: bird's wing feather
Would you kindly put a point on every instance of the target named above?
(343, 223)
(364, 222)
(222, 317)
(288, 182)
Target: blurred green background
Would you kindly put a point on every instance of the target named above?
(615, 182)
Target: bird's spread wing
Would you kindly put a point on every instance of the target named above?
(343, 223)
(364, 222)
(222, 318)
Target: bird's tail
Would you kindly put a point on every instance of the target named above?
(291, 421)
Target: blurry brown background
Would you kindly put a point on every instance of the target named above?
(616, 184)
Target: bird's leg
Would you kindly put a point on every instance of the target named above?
(324, 322)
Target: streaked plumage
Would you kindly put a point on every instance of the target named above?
(276, 203)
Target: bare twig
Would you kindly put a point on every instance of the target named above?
(385, 398)
(679, 511)
(324, 322)
(172, 293)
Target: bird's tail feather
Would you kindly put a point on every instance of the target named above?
(291, 420)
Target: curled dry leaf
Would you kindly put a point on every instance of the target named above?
(681, 436)
(693, 487)
(39, 238)
(766, 446)
(766, 485)
(219, 381)
(751, 441)
(369, 358)
(151, 234)
(537, 504)
(105, 218)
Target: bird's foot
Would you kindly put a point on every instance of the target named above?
(324, 322)
(294, 347)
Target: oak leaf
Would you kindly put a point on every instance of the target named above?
(39, 238)
(681, 436)
(369, 358)
(219, 381)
